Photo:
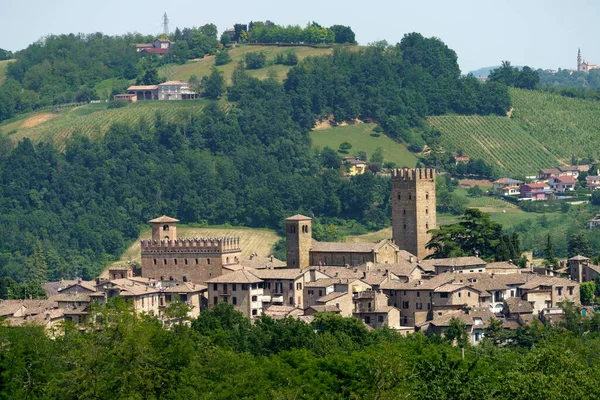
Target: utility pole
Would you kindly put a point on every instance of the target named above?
(165, 36)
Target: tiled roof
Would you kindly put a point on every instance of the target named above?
(326, 308)
(164, 219)
(141, 88)
(424, 284)
(337, 247)
(9, 307)
(280, 312)
(539, 280)
(185, 287)
(340, 272)
(281, 273)
(242, 276)
(298, 217)
(517, 306)
(262, 262)
(501, 265)
(331, 296)
(76, 297)
(507, 181)
(469, 319)
(328, 282)
(578, 258)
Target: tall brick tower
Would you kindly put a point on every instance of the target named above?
(298, 235)
(413, 209)
(164, 228)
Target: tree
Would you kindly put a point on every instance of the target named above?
(214, 84)
(474, 191)
(377, 156)
(493, 332)
(180, 52)
(457, 332)
(225, 39)
(255, 60)
(579, 245)
(344, 147)
(595, 199)
(549, 256)
(586, 292)
(222, 58)
(343, 34)
(37, 269)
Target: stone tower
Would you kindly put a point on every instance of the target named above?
(164, 228)
(579, 60)
(298, 235)
(413, 209)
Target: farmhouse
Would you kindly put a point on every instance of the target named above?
(535, 191)
(353, 166)
(160, 46)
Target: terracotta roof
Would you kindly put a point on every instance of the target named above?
(566, 179)
(540, 280)
(326, 308)
(537, 185)
(128, 287)
(76, 297)
(164, 218)
(298, 217)
(262, 262)
(424, 284)
(185, 287)
(242, 276)
(331, 296)
(458, 262)
(156, 50)
(282, 273)
(35, 306)
(578, 258)
(280, 312)
(9, 307)
(329, 281)
(517, 306)
(469, 319)
(507, 181)
(338, 247)
(142, 88)
(501, 265)
(340, 272)
(238, 267)
(569, 168)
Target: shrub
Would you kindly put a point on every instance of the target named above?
(255, 60)
(117, 104)
(222, 58)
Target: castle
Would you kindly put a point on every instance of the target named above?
(582, 65)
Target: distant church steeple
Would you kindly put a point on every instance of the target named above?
(579, 59)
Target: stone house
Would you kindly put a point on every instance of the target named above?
(353, 254)
(475, 320)
(334, 292)
(455, 265)
(549, 292)
(285, 287)
(145, 299)
(372, 308)
(176, 90)
(242, 289)
(192, 294)
(582, 270)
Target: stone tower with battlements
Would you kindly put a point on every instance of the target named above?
(298, 235)
(413, 209)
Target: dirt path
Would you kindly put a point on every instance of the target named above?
(37, 120)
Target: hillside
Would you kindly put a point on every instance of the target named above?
(544, 130)
(359, 135)
(91, 119)
(3, 67)
(259, 241)
(201, 67)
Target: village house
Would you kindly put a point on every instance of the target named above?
(353, 166)
(242, 289)
(127, 97)
(592, 182)
(461, 159)
(563, 183)
(507, 186)
(460, 265)
(353, 254)
(475, 320)
(372, 308)
(285, 287)
(549, 292)
(594, 222)
(582, 270)
(160, 46)
(176, 90)
(143, 92)
(535, 191)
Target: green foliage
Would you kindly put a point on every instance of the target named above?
(475, 191)
(457, 333)
(214, 84)
(579, 245)
(586, 292)
(117, 104)
(255, 60)
(343, 34)
(344, 147)
(5, 55)
(222, 57)
(268, 32)
(526, 78)
(549, 255)
(476, 232)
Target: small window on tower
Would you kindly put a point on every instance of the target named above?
(404, 226)
(426, 196)
(410, 196)
(426, 211)
(165, 228)
(404, 212)
(175, 261)
(399, 197)
(426, 226)
(165, 261)
(185, 261)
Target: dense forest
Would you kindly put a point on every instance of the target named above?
(223, 356)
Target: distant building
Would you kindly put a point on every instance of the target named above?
(535, 191)
(159, 46)
(176, 90)
(461, 159)
(582, 65)
(353, 166)
(592, 182)
(129, 98)
(563, 183)
(507, 186)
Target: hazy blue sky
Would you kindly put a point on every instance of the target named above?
(538, 33)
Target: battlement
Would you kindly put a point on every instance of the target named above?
(413, 174)
(204, 245)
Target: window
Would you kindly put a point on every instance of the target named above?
(311, 292)
(428, 306)
(215, 286)
(444, 295)
(405, 304)
(559, 291)
(419, 306)
(208, 261)
(155, 261)
(291, 285)
(380, 318)
(215, 300)
(254, 286)
(185, 278)
(404, 226)
(197, 261)
(570, 290)
(459, 294)
(166, 228)
(234, 300)
(254, 311)
(185, 261)
(405, 320)
(291, 301)
(165, 261)
(418, 294)
(426, 226)
(254, 298)
(320, 292)
(410, 196)
(162, 278)
(142, 302)
(404, 212)
(426, 211)
(244, 286)
(175, 261)
(367, 320)
(426, 196)
(404, 293)
(399, 197)
(233, 287)
(299, 286)
(468, 294)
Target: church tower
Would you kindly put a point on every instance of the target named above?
(579, 60)
(298, 235)
(413, 209)
(164, 228)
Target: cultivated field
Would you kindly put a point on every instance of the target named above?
(201, 67)
(359, 135)
(565, 126)
(259, 241)
(499, 140)
(91, 120)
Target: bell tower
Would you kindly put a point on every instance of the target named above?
(413, 209)
(164, 228)
(579, 60)
(298, 235)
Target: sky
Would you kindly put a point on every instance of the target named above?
(541, 34)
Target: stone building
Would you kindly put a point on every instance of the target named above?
(298, 235)
(165, 257)
(413, 209)
(242, 289)
(584, 66)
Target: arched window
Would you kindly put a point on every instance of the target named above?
(399, 196)
(410, 196)
(426, 211)
(208, 261)
(165, 261)
(165, 227)
(426, 196)
(426, 226)
(227, 260)
(185, 279)
(404, 226)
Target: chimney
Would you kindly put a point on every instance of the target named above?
(271, 257)
(411, 259)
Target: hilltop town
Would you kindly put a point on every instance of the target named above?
(390, 283)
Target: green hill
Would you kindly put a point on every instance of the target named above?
(359, 136)
(91, 119)
(544, 130)
(201, 67)
(3, 67)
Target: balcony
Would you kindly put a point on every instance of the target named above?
(367, 294)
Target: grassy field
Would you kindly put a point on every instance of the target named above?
(359, 135)
(259, 241)
(3, 67)
(499, 140)
(201, 67)
(91, 119)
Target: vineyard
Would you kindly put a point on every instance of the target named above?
(565, 126)
(201, 67)
(499, 140)
(91, 120)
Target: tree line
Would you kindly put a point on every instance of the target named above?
(222, 356)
